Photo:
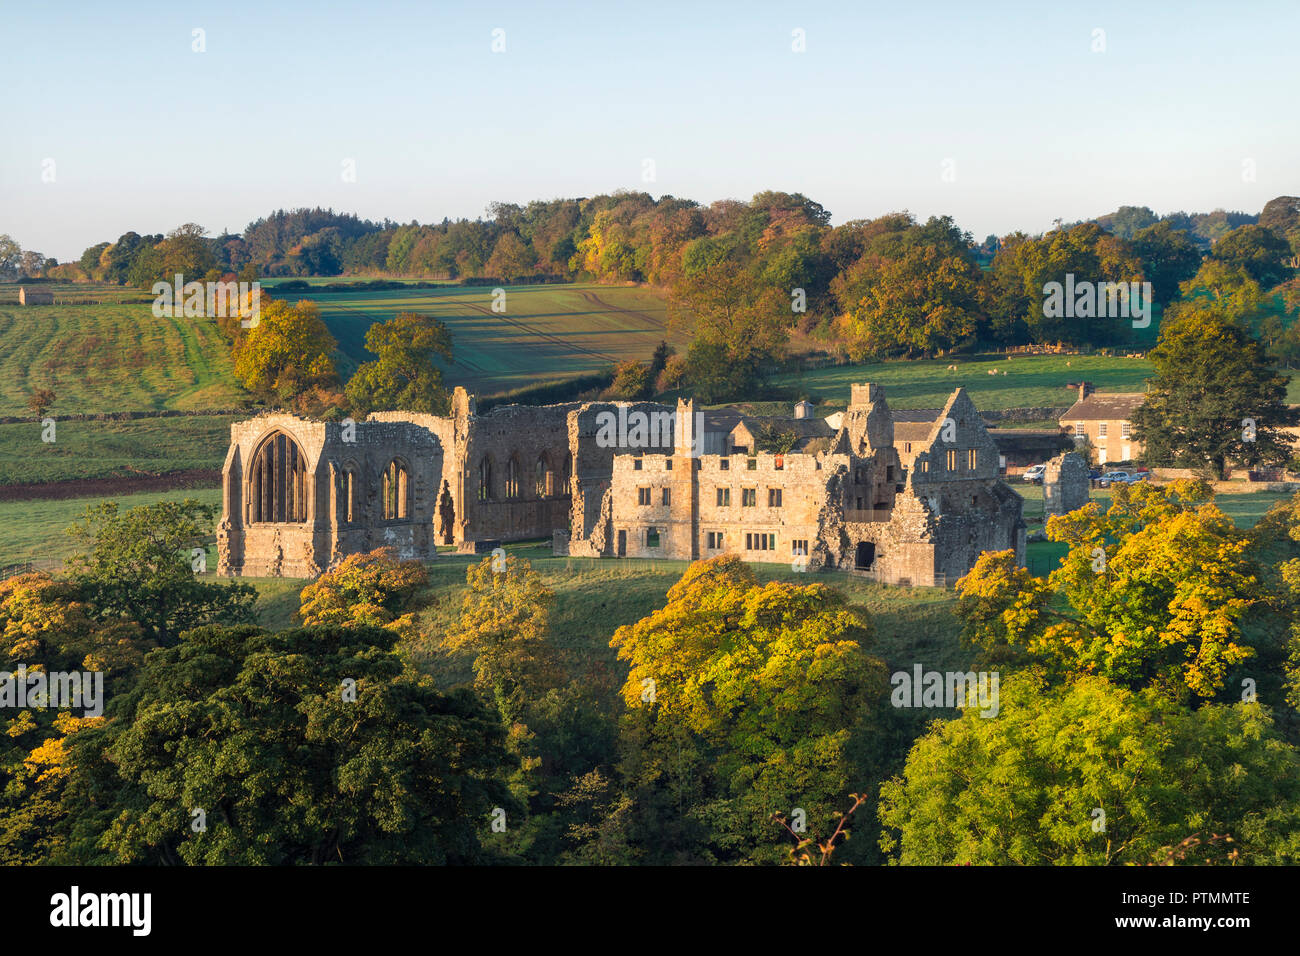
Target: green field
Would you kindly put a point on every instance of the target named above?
(109, 358)
(112, 449)
(116, 356)
(546, 332)
(1031, 381)
(36, 530)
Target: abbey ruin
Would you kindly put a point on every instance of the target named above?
(908, 498)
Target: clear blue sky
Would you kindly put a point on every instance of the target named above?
(146, 134)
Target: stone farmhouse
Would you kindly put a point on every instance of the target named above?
(914, 501)
(1106, 420)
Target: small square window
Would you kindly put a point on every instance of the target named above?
(668, 464)
(752, 464)
(636, 464)
(724, 464)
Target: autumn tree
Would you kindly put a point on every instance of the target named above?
(504, 624)
(405, 376)
(46, 624)
(921, 302)
(286, 357)
(511, 258)
(1153, 592)
(40, 401)
(743, 701)
(741, 328)
(1214, 399)
(633, 382)
(375, 589)
(186, 252)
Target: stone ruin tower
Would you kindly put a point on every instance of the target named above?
(1065, 484)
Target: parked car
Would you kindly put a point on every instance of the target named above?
(1034, 474)
(1112, 478)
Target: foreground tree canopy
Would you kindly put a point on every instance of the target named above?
(1094, 774)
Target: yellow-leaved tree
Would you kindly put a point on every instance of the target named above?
(1154, 591)
(286, 357)
(373, 589)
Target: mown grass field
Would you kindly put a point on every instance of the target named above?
(546, 332)
(111, 357)
(115, 355)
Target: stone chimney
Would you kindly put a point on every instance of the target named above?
(1085, 389)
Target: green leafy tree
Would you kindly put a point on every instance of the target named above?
(306, 746)
(1215, 397)
(1090, 254)
(1257, 249)
(405, 376)
(1094, 774)
(138, 566)
(1169, 257)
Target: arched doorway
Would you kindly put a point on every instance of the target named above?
(865, 558)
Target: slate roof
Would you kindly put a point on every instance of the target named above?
(1105, 406)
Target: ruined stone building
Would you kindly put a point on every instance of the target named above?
(913, 498)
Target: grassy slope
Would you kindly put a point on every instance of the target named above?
(112, 449)
(107, 358)
(546, 332)
(115, 356)
(34, 530)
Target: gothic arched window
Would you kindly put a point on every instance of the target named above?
(396, 491)
(277, 481)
